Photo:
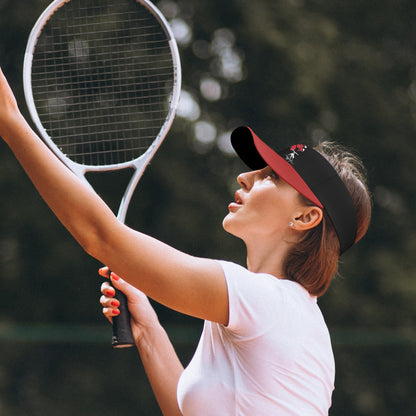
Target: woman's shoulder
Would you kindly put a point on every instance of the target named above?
(234, 271)
(262, 298)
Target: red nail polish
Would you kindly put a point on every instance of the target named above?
(116, 312)
(110, 292)
(115, 303)
(114, 276)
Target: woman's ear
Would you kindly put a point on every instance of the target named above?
(308, 219)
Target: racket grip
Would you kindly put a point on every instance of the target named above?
(122, 335)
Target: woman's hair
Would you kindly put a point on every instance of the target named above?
(313, 261)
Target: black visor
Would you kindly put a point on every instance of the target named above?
(309, 173)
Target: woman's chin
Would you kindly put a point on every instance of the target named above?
(229, 225)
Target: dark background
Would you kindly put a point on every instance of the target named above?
(295, 69)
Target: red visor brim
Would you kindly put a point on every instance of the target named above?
(279, 165)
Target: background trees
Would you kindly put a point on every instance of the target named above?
(301, 71)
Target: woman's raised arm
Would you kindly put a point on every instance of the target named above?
(185, 283)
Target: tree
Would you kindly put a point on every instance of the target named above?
(300, 71)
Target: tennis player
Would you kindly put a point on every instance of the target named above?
(265, 348)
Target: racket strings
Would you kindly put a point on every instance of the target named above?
(102, 77)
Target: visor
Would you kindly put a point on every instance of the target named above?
(309, 173)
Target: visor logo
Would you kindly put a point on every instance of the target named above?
(294, 151)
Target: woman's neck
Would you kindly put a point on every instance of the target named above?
(267, 258)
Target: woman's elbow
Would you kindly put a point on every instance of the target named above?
(97, 241)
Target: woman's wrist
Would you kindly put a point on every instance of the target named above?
(150, 337)
(15, 126)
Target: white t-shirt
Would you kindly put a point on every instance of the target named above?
(273, 358)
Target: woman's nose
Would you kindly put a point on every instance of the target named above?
(245, 180)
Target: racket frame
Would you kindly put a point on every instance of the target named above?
(140, 163)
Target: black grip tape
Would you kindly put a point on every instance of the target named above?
(122, 335)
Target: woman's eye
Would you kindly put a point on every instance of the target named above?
(273, 175)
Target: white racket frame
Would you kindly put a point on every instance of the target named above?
(139, 164)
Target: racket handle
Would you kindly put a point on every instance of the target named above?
(122, 335)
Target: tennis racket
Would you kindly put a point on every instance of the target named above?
(102, 82)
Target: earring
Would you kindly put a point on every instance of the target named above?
(291, 223)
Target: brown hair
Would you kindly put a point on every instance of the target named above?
(313, 261)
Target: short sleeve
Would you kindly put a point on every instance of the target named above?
(253, 297)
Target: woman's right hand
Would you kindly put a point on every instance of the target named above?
(143, 316)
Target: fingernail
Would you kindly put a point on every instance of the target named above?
(114, 276)
(103, 272)
(116, 312)
(110, 292)
(115, 303)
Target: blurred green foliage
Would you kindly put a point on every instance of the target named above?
(295, 69)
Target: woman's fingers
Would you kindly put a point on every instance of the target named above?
(110, 312)
(141, 310)
(107, 290)
(108, 302)
(110, 307)
(104, 272)
(130, 291)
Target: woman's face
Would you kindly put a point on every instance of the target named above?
(264, 206)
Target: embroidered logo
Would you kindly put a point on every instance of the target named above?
(294, 151)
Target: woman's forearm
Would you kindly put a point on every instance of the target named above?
(76, 205)
(162, 367)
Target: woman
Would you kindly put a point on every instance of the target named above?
(265, 348)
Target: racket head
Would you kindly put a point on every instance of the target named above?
(102, 81)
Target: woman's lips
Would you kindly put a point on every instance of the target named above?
(233, 206)
(237, 198)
